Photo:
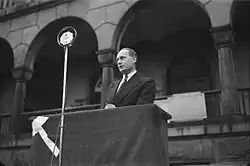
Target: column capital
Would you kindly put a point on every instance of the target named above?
(22, 73)
(106, 57)
(223, 36)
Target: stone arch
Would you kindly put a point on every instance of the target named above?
(46, 58)
(160, 31)
(50, 31)
(7, 82)
(103, 16)
(135, 6)
(219, 12)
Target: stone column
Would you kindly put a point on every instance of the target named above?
(21, 74)
(223, 40)
(106, 60)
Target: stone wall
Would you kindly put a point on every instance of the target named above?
(230, 151)
(102, 15)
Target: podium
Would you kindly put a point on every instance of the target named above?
(125, 136)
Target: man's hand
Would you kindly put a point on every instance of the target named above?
(109, 106)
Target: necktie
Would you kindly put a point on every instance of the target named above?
(126, 79)
(123, 83)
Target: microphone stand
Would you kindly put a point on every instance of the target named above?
(63, 103)
(65, 38)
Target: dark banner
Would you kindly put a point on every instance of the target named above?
(128, 136)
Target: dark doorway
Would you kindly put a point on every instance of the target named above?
(188, 74)
(7, 82)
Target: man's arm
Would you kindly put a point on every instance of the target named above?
(109, 98)
(147, 95)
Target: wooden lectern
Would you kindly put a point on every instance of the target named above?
(125, 136)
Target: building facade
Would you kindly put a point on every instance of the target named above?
(185, 45)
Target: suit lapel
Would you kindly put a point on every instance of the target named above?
(114, 87)
(133, 82)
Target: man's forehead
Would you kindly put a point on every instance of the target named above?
(122, 53)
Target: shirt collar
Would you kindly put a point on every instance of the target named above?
(129, 75)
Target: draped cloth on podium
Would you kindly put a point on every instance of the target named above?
(127, 136)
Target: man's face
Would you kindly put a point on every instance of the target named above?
(125, 62)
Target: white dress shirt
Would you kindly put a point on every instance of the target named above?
(128, 78)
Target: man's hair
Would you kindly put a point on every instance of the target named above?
(131, 52)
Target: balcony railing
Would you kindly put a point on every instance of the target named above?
(6, 120)
(6, 3)
(244, 101)
(212, 100)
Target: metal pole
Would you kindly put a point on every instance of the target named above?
(63, 104)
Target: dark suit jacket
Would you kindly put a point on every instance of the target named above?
(138, 90)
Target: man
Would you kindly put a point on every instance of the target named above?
(132, 89)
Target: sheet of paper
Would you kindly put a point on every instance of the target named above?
(185, 106)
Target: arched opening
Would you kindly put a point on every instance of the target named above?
(44, 90)
(188, 74)
(240, 20)
(168, 35)
(241, 24)
(7, 82)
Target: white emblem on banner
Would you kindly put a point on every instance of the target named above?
(37, 128)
